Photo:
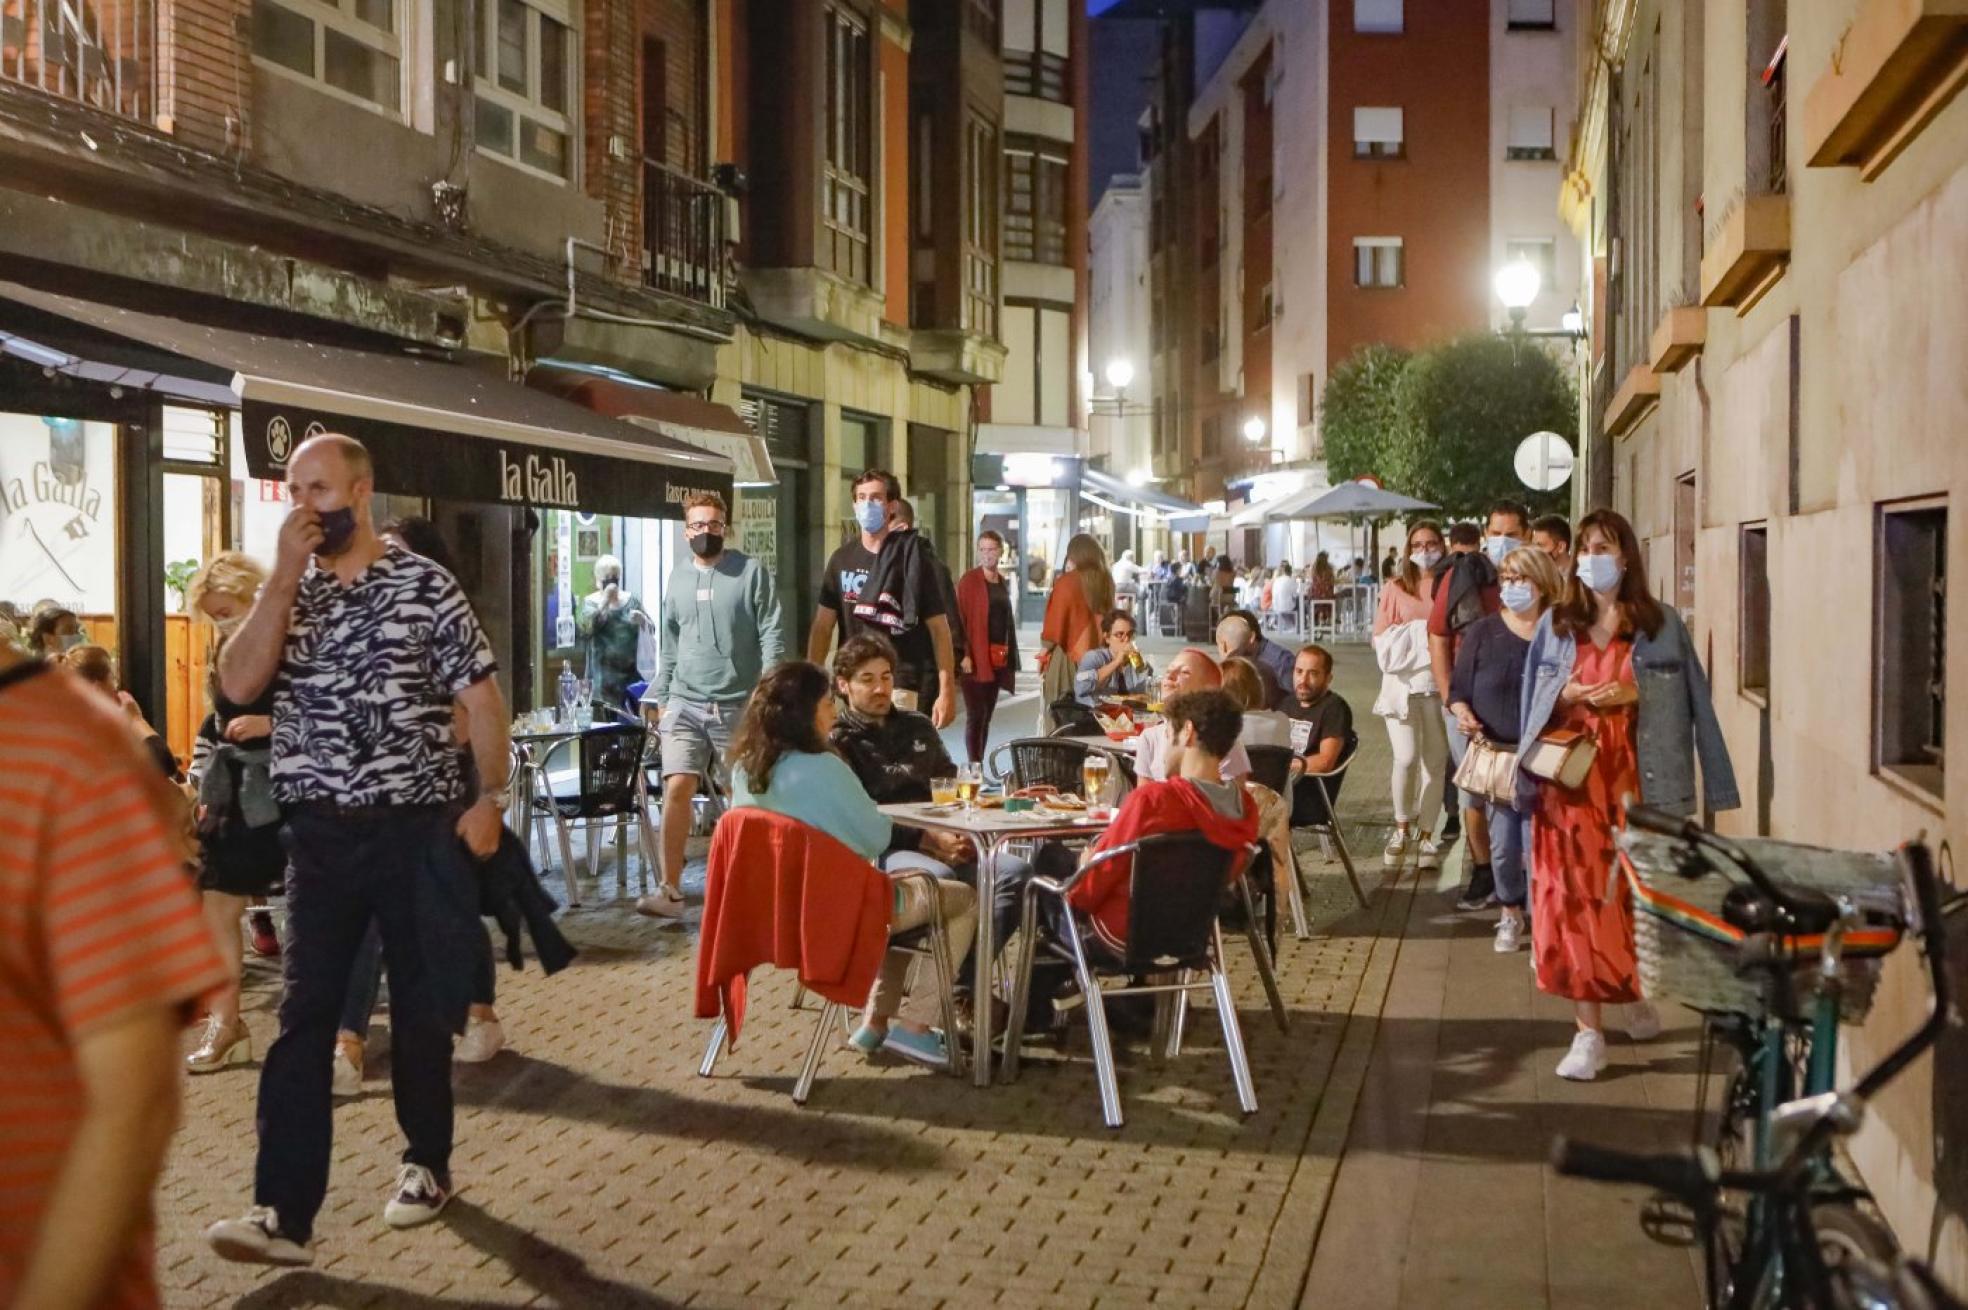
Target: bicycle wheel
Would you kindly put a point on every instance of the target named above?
(1848, 1235)
(1734, 1142)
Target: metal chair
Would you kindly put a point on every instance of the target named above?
(606, 765)
(1271, 766)
(928, 941)
(1051, 761)
(1174, 887)
(1320, 792)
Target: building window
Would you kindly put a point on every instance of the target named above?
(982, 18)
(350, 47)
(1776, 178)
(981, 227)
(1212, 345)
(1377, 133)
(1260, 311)
(1753, 659)
(1035, 204)
(1037, 50)
(1377, 262)
(1531, 135)
(1532, 16)
(1308, 399)
(1377, 15)
(1212, 435)
(850, 145)
(525, 84)
(1910, 657)
(1541, 253)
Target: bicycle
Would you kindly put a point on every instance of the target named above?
(1801, 1237)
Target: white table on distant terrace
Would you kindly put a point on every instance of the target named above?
(990, 829)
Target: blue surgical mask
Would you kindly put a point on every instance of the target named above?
(1521, 597)
(74, 639)
(872, 515)
(1498, 547)
(1599, 572)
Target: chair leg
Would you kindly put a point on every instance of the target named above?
(1179, 1022)
(622, 852)
(946, 991)
(715, 1049)
(1103, 1048)
(1339, 840)
(1233, 1034)
(799, 995)
(1262, 955)
(803, 1085)
(1021, 985)
(567, 859)
(1294, 897)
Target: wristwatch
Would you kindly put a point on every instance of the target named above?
(502, 797)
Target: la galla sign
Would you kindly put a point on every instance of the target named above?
(537, 480)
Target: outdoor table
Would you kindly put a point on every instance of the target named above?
(989, 829)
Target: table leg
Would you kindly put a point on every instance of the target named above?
(980, 1001)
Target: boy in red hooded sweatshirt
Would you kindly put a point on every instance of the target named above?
(1203, 728)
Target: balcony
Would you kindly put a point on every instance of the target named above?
(1901, 62)
(1678, 338)
(1037, 74)
(1635, 399)
(685, 246)
(1747, 254)
(103, 55)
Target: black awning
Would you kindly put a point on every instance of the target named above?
(433, 427)
(1182, 515)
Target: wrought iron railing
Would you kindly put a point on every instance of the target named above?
(101, 53)
(1778, 181)
(684, 243)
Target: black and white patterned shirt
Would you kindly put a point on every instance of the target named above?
(362, 704)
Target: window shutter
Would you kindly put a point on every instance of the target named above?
(1377, 124)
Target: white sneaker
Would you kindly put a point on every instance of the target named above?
(1643, 1022)
(348, 1072)
(483, 1039)
(1510, 935)
(663, 903)
(1396, 852)
(1431, 855)
(255, 1238)
(1586, 1058)
(418, 1199)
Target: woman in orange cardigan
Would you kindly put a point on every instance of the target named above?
(1083, 591)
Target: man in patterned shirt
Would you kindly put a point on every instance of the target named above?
(366, 646)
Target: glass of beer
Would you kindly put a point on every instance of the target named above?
(970, 780)
(1093, 776)
(943, 791)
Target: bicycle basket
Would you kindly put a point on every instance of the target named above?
(1687, 951)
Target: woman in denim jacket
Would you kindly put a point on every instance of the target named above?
(1610, 661)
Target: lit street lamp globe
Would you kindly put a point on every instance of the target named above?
(1517, 286)
(1255, 429)
(1574, 321)
(1138, 478)
(1120, 372)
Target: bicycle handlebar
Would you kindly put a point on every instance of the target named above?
(1691, 1177)
(1661, 823)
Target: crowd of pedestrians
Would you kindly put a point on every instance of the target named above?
(356, 751)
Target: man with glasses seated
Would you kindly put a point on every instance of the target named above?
(721, 631)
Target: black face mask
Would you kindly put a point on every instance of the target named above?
(337, 528)
(707, 546)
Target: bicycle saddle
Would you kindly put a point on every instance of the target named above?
(1749, 911)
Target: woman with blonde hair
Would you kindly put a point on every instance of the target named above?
(238, 821)
(1083, 591)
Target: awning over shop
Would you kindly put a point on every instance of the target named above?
(678, 415)
(433, 427)
(1182, 515)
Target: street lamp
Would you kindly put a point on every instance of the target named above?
(1140, 477)
(1517, 286)
(1573, 321)
(1120, 372)
(1255, 429)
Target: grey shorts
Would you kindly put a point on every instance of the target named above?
(695, 735)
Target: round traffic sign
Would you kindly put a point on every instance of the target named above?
(1543, 461)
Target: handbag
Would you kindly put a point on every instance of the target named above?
(1000, 654)
(1563, 755)
(1489, 771)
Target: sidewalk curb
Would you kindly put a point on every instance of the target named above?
(1294, 1237)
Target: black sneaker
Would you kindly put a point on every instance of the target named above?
(418, 1200)
(255, 1238)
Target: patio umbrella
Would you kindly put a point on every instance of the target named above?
(1353, 501)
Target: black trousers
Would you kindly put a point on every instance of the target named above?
(345, 872)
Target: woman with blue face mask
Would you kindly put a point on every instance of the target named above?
(55, 630)
(1612, 662)
(1485, 696)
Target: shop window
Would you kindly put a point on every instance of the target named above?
(850, 147)
(1378, 262)
(525, 85)
(58, 513)
(1378, 16)
(1531, 134)
(1531, 16)
(1910, 656)
(1378, 133)
(352, 49)
(1753, 568)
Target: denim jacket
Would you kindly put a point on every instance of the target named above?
(1676, 719)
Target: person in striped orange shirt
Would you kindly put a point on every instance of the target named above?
(102, 949)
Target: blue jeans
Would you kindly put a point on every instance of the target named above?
(1510, 853)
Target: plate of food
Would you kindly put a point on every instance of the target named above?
(1064, 802)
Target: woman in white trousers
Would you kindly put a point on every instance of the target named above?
(1409, 701)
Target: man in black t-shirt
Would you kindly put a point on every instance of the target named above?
(1322, 728)
(925, 655)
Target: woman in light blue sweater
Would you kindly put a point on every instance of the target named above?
(780, 761)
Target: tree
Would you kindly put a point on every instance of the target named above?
(1358, 415)
(1461, 410)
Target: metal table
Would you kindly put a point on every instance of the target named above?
(990, 829)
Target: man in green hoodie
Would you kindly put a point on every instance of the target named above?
(721, 630)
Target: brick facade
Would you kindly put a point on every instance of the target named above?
(619, 32)
(204, 72)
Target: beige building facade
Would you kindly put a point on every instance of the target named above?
(1772, 205)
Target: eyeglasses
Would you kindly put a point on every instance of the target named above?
(700, 528)
(1512, 577)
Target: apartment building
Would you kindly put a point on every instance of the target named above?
(1771, 199)
(1331, 175)
(557, 261)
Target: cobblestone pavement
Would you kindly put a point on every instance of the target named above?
(595, 1168)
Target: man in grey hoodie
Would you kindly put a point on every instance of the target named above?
(720, 629)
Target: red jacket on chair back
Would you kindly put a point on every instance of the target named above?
(781, 893)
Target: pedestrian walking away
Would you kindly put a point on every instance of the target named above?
(365, 646)
(721, 630)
